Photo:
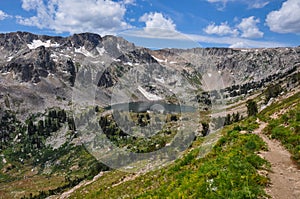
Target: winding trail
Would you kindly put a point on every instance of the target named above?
(285, 176)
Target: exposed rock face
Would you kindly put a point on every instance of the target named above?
(48, 67)
(32, 66)
(239, 66)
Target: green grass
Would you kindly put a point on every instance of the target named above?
(223, 165)
(286, 129)
(229, 170)
(277, 106)
(30, 170)
(65, 168)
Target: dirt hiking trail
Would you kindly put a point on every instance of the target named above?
(284, 175)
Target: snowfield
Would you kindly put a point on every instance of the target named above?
(37, 43)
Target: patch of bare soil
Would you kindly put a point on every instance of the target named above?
(285, 176)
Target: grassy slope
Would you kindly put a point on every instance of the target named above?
(27, 170)
(73, 165)
(229, 170)
(284, 124)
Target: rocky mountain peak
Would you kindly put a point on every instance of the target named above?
(87, 40)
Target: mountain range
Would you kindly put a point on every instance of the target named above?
(50, 86)
(35, 69)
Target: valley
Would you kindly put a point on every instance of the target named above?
(87, 116)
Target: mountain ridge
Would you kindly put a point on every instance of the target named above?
(54, 92)
(37, 61)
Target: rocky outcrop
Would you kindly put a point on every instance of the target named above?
(58, 62)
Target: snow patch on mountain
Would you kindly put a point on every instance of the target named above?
(101, 51)
(10, 58)
(128, 63)
(159, 60)
(83, 51)
(37, 43)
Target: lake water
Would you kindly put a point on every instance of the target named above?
(152, 106)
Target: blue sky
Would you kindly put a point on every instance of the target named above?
(162, 23)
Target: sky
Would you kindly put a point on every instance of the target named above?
(162, 23)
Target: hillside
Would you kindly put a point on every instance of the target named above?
(87, 116)
(234, 168)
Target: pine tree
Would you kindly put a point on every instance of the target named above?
(227, 119)
(251, 108)
(236, 117)
(41, 127)
(30, 128)
(205, 128)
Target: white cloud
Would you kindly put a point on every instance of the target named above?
(240, 44)
(249, 28)
(100, 16)
(156, 26)
(223, 29)
(286, 19)
(3, 15)
(236, 42)
(258, 4)
(31, 4)
(129, 2)
(161, 31)
(251, 4)
(221, 3)
(157, 21)
(178, 40)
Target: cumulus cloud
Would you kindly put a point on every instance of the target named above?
(249, 28)
(101, 16)
(157, 20)
(159, 31)
(286, 19)
(3, 15)
(31, 4)
(157, 25)
(223, 29)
